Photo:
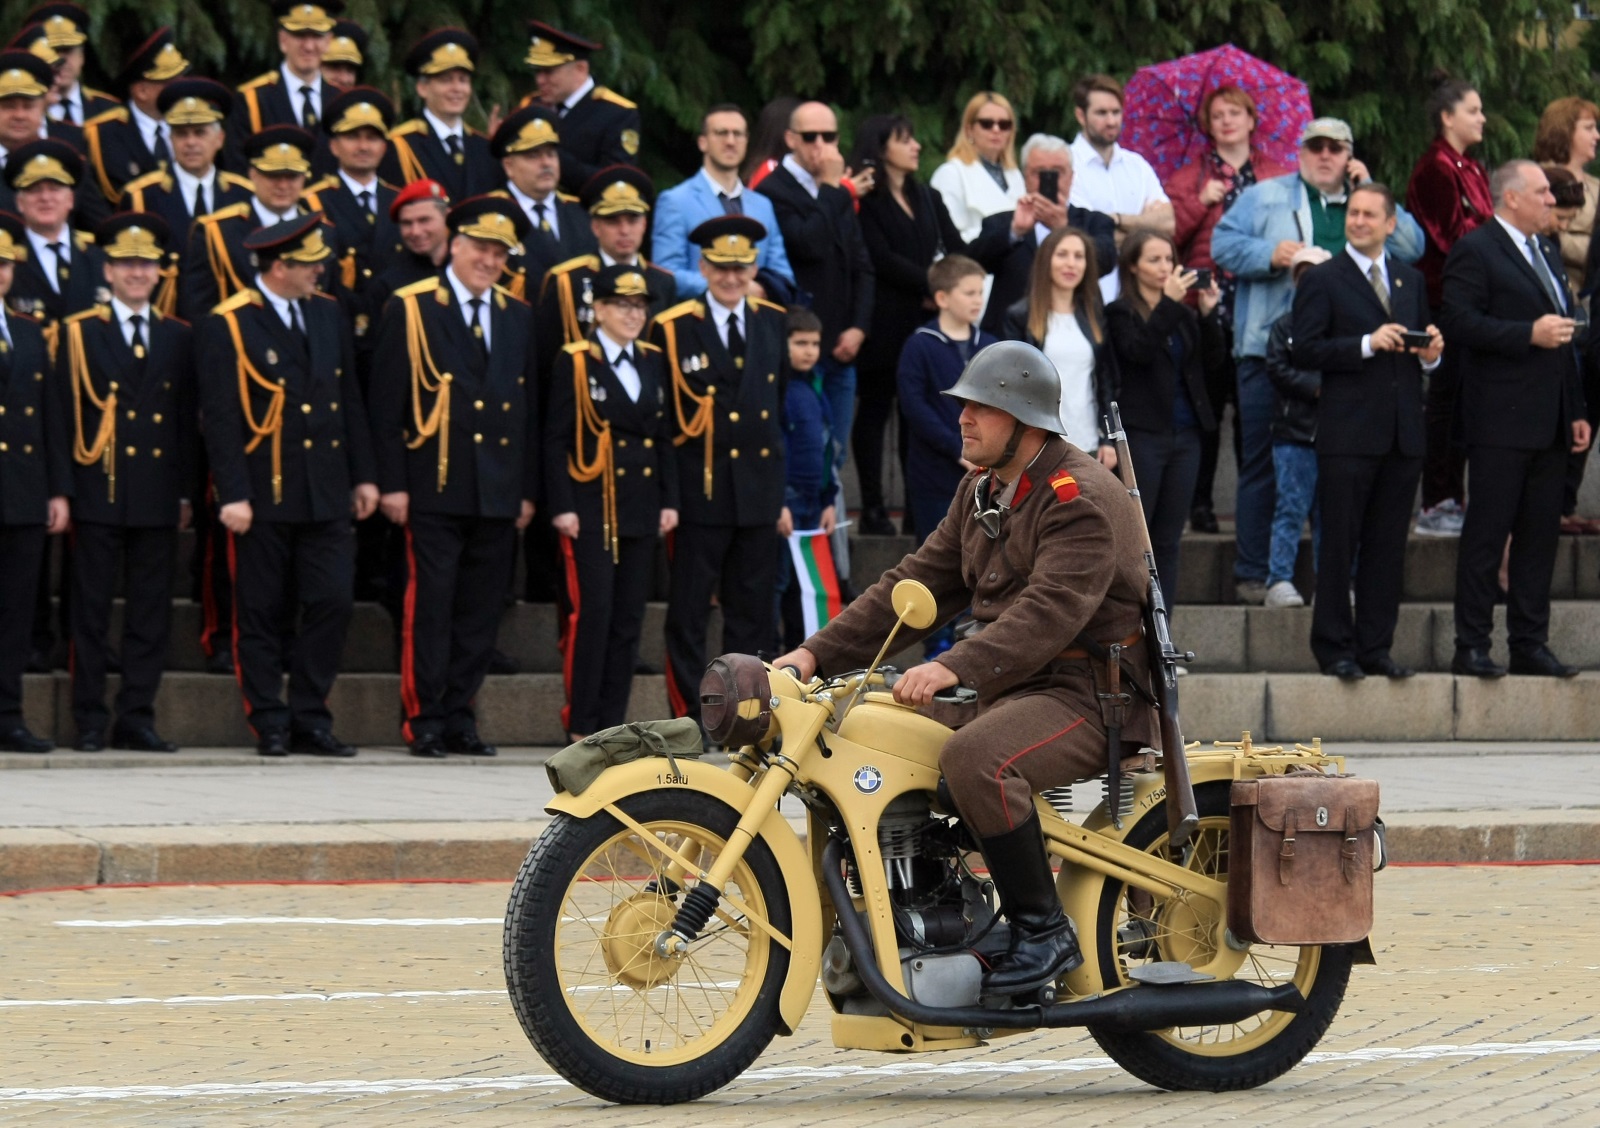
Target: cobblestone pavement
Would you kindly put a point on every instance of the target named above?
(384, 1004)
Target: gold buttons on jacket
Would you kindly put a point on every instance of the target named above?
(771, 376)
(3, 447)
(733, 417)
(765, 413)
(733, 453)
(477, 405)
(156, 417)
(27, 448)
(29, 411)
(334, 406)
(504, 441)
(131, 414)
(506, 406)
(335, 444)
(648, 471)
(648, 443)
(711, 389)
(308, 444)
(305, 409)
(478, 438)
(621, 470)
(765, 452)
(131, 451)
(156, 453)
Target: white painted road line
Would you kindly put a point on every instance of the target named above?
(899, 1069)
(218, 1000)
(229, 921)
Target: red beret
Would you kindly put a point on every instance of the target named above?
(418, 190)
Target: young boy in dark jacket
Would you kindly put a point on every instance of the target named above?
(811, 488)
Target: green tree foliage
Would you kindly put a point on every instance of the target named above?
(1372, 62)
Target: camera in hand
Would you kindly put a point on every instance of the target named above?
(1050, 184)
(1416, 339)
(1202, 277)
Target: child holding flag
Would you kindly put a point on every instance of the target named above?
(808, 585)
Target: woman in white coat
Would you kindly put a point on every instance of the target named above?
(981, 177)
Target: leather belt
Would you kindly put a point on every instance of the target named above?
(1080, 652)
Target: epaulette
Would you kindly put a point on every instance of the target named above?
(268, 79)
(103, 312)
(244, 297)
(116, 113)
(590, 261)
(159, 177)
(762, 303)
(1065, 485)
(424, 286)
(647, 346)
(693, 306)
(577, 347)
(503, 292)
(83, 240)
(603, 94)
(323, 294)
(232, 211)
(566, 199)
(88, 92)
(415, 125)
(326, 184)
(234, 180)
(472, 131)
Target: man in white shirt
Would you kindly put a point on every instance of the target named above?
(1111, 179)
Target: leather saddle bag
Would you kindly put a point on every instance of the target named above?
(1300, 858)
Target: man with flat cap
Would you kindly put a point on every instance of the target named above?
(526, 145)
(345, 56)
(35, 482)
(127, 375)
(726, 354)
(456, 431)
(66, 28)
(25, 80)
(294, 93)
(128, 141)
(286, 432)
(599, 127)
(440, 145)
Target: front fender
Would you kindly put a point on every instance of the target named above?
(805, 907)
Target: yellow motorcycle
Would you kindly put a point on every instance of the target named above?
(670, 921)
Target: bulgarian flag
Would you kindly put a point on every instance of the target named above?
(818, 580)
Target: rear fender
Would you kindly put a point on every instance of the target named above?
(805, 907)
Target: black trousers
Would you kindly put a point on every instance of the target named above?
(313, 564)
(1444, 472)
(1515, 493)
(146, 556)
(738, 564)
(21, 549)
(48, 616)
(459, 568)
(1366, 510)
(213, 585)
(1166, 463)
(874, 409)
(1222, 390)
(602, 615)
(1578, 462)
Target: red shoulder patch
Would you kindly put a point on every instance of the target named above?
(1065, 485)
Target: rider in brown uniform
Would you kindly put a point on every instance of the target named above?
(1045, 547)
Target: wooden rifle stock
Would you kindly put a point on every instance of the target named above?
(1182, 814)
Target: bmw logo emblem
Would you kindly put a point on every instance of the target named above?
(868, 779)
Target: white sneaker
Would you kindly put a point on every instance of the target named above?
(1442, 520)
(1283, 594)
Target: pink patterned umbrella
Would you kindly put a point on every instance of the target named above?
(1162, 107)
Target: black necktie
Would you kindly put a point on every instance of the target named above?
(137, 321)
(200, 208)
(731, 205)
(160, 151)
(735, 340)
(297, 324)
(544, 220)
(69, 110)
(480, 343)
(365, 197)
(626, 357)
(308, 112)
(61, 266)
(453, 143)
(1541, 267)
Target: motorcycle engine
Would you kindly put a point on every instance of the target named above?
(941, 912)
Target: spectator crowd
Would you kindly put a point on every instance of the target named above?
(373, 358)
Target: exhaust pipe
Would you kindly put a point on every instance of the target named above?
(1127, 1010)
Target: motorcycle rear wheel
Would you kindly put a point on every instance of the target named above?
(1133, 928)
(608, 1014)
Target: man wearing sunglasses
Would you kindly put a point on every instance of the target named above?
(1256, 239)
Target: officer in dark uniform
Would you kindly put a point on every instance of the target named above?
(25, 80)
(418, 213)
(295, 92)
(128, 141)
(127, 373)
(526, 147)
(345, 56)
(216, 264)
(440, 145)
(599, 127)
(611, 480)
(66, 29)
(35, 481)
(456, 431)
(287, 435)
(36, 41)
(726, 354)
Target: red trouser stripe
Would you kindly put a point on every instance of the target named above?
(675, 701)
(1031, 748)
(238, 666)
(569, 626)
(408, 669)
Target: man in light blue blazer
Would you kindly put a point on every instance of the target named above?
(715, 190)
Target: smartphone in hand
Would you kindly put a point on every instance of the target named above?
(1050, 184)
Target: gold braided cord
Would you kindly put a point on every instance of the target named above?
(437, 421)
(104, 447)
(166, 296)
(228, 281)
(588, 420)
(571, 330)
(51, 331)
(410, 167)
(347, 269)
(272, 422)
(704, 420)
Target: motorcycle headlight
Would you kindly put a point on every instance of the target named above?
(735, 700)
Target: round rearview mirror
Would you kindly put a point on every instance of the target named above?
(915, 604)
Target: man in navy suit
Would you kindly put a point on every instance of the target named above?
(1508, 307)
(724, 137)
(1351, 315)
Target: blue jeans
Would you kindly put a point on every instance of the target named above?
(1295, 469)
(839, 385)
(1253, 510)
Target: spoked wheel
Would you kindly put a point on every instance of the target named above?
(1135, 928)
(593, 996)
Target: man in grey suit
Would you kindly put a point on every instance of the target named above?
(716, 190)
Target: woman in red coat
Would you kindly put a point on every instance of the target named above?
(1200, 192)
(1449, 195)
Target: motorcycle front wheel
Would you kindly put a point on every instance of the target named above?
(594, 998)
(1134, 928)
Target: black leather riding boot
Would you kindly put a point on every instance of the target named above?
(1043, 944)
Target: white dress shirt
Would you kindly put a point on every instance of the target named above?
(574, 98)
(721, 314)
(187, 184)
(1542, 267)
(356, 188)
(293, 84)
(607, 260)
(465, 297)
(291, 318)
(267, 216)
(1364, 264)
(74, 98)
(124, 313)
(807, 181)
(718, 190)
(623, 369)
(46, 258)
(444, 132)
(1123, 185)
(149, 127)
(526, 202)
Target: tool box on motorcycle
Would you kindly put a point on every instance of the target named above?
(1300, 858)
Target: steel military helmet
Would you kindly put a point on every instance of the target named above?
(1016, 378)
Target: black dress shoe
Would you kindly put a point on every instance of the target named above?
(875, 523)
(220, 663)
(321, 742)
(140, 740)
(90, 742)
(1541, 663)
(469, 744)
(273, 744)
(1202, 519)
(38, 662)
(1344, 669)
(1387, 667)
(501, 663)
(1476, 663)
(429, 747)
(20, 739)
